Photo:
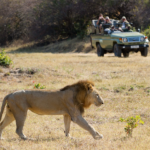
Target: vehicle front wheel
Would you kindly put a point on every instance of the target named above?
(126, 54)
(100, 50)
(144, 52)
(117, 50)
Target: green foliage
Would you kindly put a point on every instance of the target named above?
(132, 122)
(7, 74)
(131, 87)
(39, 86)
(81, 34)
(4, 60)
(57, 19)
(47, 38)
(147, 32)
(81, 28)
(134, 29)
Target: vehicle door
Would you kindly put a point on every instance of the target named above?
(106, 42)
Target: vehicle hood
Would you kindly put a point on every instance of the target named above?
(126, 34)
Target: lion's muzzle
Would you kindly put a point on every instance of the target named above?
(99, 102)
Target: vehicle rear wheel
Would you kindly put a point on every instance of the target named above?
(117, 50)
(126, 54)
(100, 50)
(144, 52)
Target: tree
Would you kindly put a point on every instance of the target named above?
(54, 19)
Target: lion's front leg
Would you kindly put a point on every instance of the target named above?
(67, 121)
(83, 123)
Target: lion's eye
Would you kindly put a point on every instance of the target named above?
(97, 96)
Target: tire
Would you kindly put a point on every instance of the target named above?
(91, 42)
(117, 51)
(100, 51)
(144, 52)
(126, 54)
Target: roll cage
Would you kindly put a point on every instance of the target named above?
(104, 26)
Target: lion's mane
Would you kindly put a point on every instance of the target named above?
(80, 90)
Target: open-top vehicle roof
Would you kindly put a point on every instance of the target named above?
(114, 22)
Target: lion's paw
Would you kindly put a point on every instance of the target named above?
(98, 136)
(70, 137)
(24, 138)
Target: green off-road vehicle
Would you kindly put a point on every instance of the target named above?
(117, 42)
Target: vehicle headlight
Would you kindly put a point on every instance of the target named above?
(124, 39)
(142, 39)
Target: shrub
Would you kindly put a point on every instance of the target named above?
(5, 60)
(39, 86)
(147, 32)
(81, 28)
(132, 122)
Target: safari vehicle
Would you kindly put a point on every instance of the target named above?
(117, 42)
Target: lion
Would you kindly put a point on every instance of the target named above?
(69, 101)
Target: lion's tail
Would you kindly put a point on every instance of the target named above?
(3, 106)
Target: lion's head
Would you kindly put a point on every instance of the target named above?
(85, 94)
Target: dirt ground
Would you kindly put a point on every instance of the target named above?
(123, 83)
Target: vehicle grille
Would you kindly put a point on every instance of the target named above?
(134, 39)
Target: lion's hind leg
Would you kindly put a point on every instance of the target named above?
(67, 121)
(20, 120)
(6, 121)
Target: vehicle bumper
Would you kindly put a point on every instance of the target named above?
(133, 46)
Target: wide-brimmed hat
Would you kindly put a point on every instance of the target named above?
(123, 17)
(107, 17)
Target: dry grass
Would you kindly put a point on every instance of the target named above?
(122, 82)
(70, 45)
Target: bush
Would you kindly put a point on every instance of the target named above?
(39, 86)
(5, 60)
(81, 28)
(131, 123)
(147, 32)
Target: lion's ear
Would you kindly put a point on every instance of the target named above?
(89, 88)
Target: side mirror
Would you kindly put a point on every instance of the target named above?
(138, 30)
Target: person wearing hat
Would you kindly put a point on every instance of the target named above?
(107, 23)
(113, 28)
(107, 20)
(124, 24)
(101, 19)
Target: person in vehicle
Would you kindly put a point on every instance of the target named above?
(101, 19)
(107, 20)
(106, 26)
(107, 23)
(124, 24)
(113, 28)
